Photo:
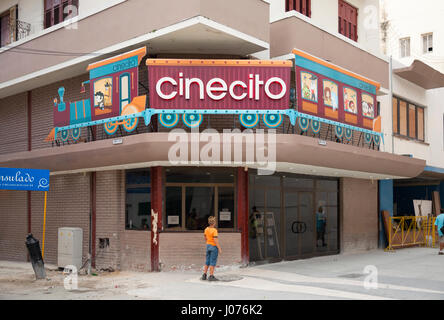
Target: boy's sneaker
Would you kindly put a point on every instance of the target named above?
(204, 277)
(213, 278)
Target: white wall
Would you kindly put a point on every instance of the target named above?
(432, 150)
(324, 14)
(32, 11)
(408, 18)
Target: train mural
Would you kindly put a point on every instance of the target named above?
(254, 90)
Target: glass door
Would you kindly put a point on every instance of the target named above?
(265, 218)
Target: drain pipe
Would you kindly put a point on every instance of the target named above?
(391, 99)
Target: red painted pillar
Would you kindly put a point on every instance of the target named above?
(242, 211)
(156, 215)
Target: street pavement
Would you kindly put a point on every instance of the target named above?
(414, 273)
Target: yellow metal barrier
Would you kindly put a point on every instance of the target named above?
(411, 231)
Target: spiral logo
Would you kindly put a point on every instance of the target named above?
(43, 183)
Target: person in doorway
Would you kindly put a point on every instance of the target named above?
(439, 223)
(253, 223)
(213, 249)
(321, 221)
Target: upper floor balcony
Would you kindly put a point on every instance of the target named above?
(321, 31)
(56, 51)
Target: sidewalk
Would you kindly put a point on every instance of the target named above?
(415, 273)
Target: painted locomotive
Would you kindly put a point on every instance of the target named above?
(113, 99)
(250, 89)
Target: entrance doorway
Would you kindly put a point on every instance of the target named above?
(292, 217)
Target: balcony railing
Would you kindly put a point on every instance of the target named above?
(17, 31)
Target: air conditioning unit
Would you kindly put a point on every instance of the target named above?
(70, 247)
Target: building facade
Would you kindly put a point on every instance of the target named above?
(116, 180)
(415, 121)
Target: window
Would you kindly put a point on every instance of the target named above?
(103, 96)
(348, 20)
(408, 119)
(350, 100)
(57, 11)
(368, 106)
(330, 94)
(138, 200)
(194, 194)
(8, 26)
(309, 84)
(427, 43)
(405, 47)
(301, 6)
(124, 90)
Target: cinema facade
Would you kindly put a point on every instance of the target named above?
(144, 146)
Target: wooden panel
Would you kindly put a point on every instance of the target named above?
(329, 112)
(412, 121)
(395, 115)
(420, 124)
(310, 107)
(403, 118)
(436, 201)
(368, 123)
(351, 118)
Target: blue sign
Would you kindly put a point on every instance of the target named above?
(24, 179)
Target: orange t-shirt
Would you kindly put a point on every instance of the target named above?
(210, 234)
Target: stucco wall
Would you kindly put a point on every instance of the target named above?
(359, 215)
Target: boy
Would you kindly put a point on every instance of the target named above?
(439, 222)
(213, 249)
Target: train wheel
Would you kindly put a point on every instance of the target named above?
(130, 124)
(75, 133)
(64, 135)
(169, 120)
(249, 120)
(110, 127)
(272, 120)
(192, 120)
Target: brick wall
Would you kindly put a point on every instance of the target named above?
(359, 215)
(42, 107)
(13, 124)
(136, 250)
(110, 218)
(68, 205)
(187, 250)
(13, 225)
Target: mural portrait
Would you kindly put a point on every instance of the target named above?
(103, 90)
(331, 94)
(309, 83)
(368, 108)
(350, 101)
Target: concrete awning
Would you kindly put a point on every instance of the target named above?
(422, 75)
(294, 154)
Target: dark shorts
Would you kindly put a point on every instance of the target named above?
(211, 255)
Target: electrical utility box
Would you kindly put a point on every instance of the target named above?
(70, 247)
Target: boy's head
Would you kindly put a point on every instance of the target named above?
(211, 221)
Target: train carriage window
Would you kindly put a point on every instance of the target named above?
(368, 106)
(330, 94)
(103, 93)
(124, 90)
(309, 84)
(350, 100)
